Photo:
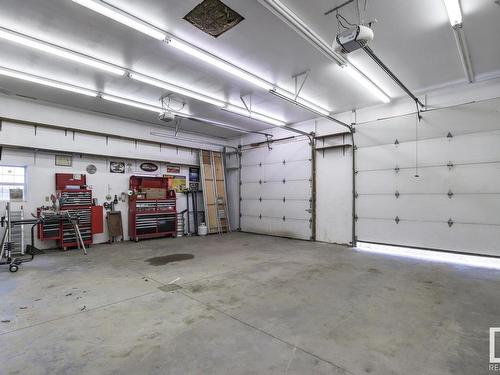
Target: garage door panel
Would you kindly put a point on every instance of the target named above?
(255, 225)
(483, 178)
(251, 207)
(462, 238)
(290, 209)
(474, 178)
(252, 173)
(475, 148)
(431, 180)
(474, 209)
(289, 192)
(251, 190)
(476, 117)
(290, 171)
(291, 228)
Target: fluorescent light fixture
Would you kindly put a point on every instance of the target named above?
(144, 27)
(219, 63)
(58, 51)
(454, 12)
(46, 82)
(366, 83)
(433, 256)
(122, 17)
(131, 103)
(177, 89)
(303, 102)
(253, 115)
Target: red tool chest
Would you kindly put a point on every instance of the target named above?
(76, 198)
(152, 208)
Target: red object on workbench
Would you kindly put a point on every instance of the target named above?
(152, 208)
(97, 219)
(70, 181)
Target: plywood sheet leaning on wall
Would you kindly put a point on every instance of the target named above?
(214, 191)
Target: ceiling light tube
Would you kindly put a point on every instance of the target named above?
(253, 115)
(122, 17)
(368, 84)
(174, 88)
(454, 12)
(131, 103)
(58, 51)
(46, 82)
(219, 63)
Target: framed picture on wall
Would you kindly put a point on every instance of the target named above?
(64, 160)
(175, 169)
(117, 167)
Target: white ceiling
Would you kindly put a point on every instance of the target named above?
(412, 37)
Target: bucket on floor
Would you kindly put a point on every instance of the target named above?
(202, 230)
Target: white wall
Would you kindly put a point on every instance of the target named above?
(35, 148)
(40, 172)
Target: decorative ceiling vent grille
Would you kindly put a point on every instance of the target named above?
(213, 17)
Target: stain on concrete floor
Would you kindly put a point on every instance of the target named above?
(163, 260)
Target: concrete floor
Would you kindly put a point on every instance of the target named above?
(247, 304)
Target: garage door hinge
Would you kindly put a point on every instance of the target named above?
(449, 136)
(397, 219)
(396, 142)
(397, 194)
(396, 169)
(450, 165)
(450, 223)
(284, 218)
(450, 194)
(356, 217)
(356, 195)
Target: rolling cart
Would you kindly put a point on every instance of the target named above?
(7, 257)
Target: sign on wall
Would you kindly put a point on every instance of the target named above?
(149, 167)
(178, 183)
(174, 169)
(117, 167)
(194, 178)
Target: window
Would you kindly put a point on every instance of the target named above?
(11, 178)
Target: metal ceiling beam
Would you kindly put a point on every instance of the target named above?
(463, 50)
(338, 7)
(384, 67)
(289, 17)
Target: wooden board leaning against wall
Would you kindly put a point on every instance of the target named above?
(214, 191)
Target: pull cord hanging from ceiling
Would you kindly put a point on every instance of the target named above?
(417, 122)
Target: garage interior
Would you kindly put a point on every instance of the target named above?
(249, 187)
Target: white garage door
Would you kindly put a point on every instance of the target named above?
(455, 203)
(276, 189)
